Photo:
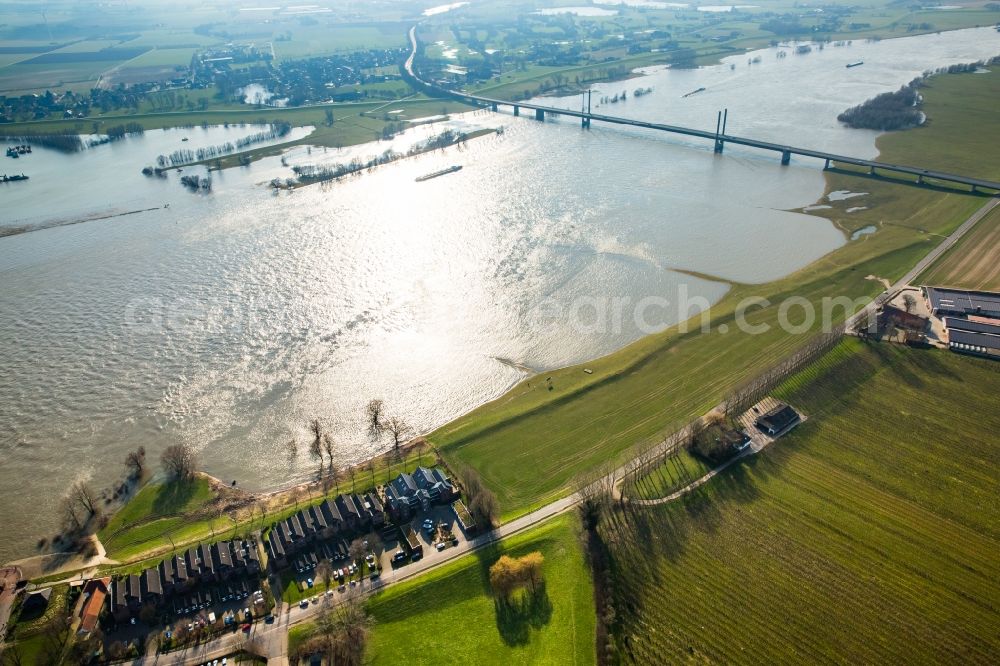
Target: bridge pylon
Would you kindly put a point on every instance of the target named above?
(720, 124)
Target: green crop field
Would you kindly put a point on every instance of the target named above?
(869, 534)
(532, 444)
(678, 469)
(448, 616)
(974, 262)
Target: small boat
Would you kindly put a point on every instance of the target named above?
(855, 64)
(442, 172)
(694, 91)
(9, 179)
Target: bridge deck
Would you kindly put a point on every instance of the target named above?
(744, 141)
(705, 134)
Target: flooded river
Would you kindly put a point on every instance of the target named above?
(228, 320)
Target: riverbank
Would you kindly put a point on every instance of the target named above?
(532, 444)
(260, 455)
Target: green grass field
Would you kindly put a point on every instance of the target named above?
(870, 534)
(448, 616)
(532, 444)
(677, 470)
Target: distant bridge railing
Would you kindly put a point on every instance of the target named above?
(720, 138)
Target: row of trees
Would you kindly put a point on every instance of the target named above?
(314, 173)
(181, 157)
(67, 142)
(756, 389)
(323, 447)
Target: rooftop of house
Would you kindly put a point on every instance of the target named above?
(778, 418)
(903, 317)
(404, 485)
(224, 553)
(332, 512)
(95, 592)
(151, 581)
(37, 598)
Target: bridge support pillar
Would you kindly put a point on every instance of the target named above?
(871, 171)
(494, 107)
(920, 179)
(719, 145)
(585, 123)
(826, 166)
(539, 114)
(786, 157)
(517, 110)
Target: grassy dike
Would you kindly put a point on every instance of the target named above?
(532, 443)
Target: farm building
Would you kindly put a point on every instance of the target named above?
(890, 318)
(976, 335)
(778, 420)
(962, 303)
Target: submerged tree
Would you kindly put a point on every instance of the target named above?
(179, 461)
(374, 418)
(398, 429)
(135, 462)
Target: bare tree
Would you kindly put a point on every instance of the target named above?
(82, 494)
(324, 572)
(329, 447)
(375, 544)
(374, 419)
(135, 462)
(398, 429)
(178, 461)
(357, 551)
(909, 302)
(69, 512)
(341, 634)
(316, 445)
(485, 508)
